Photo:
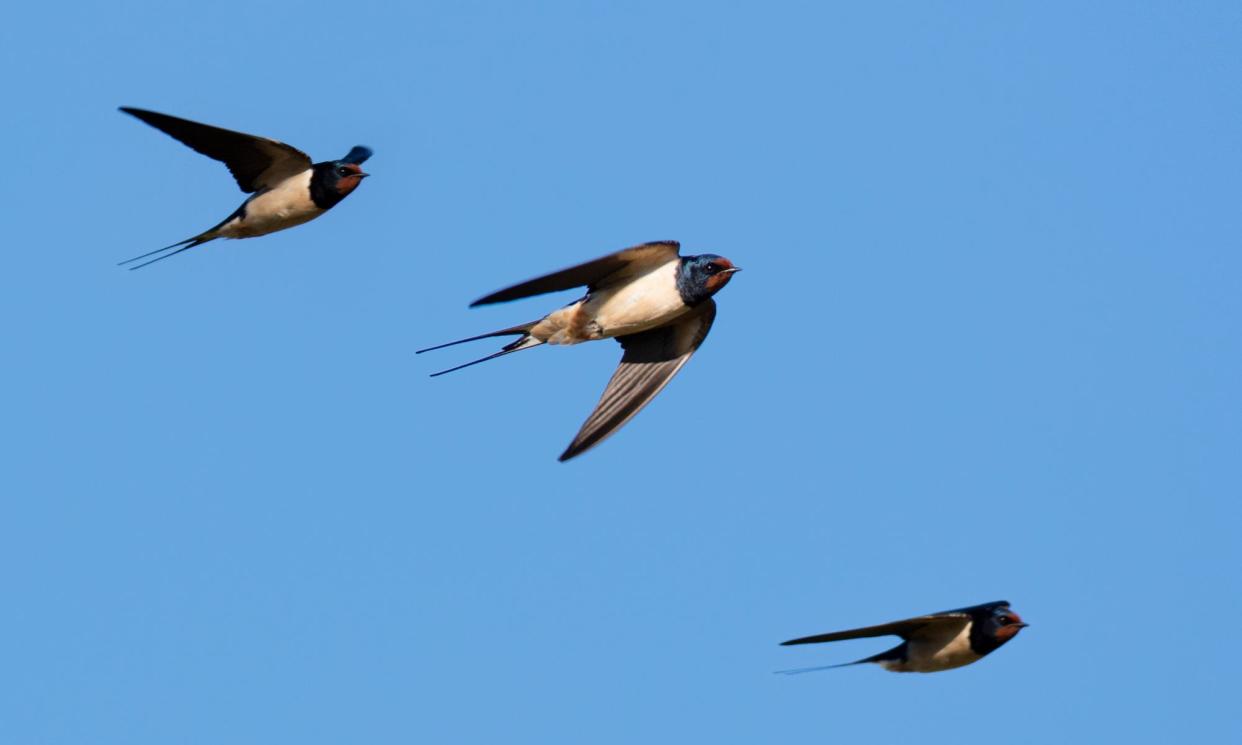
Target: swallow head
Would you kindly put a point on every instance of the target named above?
(333, 180)
(346, 177)
(702, 276)
(1003, 625)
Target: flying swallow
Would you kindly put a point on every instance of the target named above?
(931, 643)
(655, 302)
(286, 188)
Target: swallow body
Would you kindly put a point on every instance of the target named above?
(932, 643)
(287, 188)
(645, 302)
(656, 303)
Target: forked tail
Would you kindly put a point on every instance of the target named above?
(800, 670)
(185, 245)
(525, 342)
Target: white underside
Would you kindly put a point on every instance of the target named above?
(283, 206)
(644, 302)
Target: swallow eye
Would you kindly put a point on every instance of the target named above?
(342, 171)
(712, 268)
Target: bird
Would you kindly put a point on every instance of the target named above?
(931, 643)
(286, 188)
(656, 303)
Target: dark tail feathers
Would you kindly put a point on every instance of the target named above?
(525, 342)
(185, 245)
(896, 654)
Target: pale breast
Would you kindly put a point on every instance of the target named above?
(647, 301)
(287, 204)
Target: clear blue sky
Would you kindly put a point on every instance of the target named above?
(986, 346)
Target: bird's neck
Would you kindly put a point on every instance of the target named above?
(323, 189)
(691, 288)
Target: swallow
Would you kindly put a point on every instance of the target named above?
(931, 643)
(656, 303)
(286, 188)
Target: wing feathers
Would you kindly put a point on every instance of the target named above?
(981, 608)
(897, 628)
(255, 162)
(591, 274)
(906, 629)
(650, 361)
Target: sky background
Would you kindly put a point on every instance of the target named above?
(986, 347)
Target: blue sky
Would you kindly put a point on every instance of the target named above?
(986, 346)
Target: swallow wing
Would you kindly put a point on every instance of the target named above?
(594, 274)
(921, 627)
(255, 162)
(651, 359)
(904, 629)
(973, 609)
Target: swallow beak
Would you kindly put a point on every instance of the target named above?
(361, 174)
(732, 269)
(1022, 625)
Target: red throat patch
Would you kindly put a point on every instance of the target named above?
(346, 184)
(722, 277)
(1013, 624)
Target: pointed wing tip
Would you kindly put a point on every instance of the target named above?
(358, 155)
(496, 297)
(134, 111)
(499, 296)
(582, 444)
(799, 640)
(579, 446)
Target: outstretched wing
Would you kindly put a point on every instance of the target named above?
(255, 162)
(904, 629)
(593, 274)
(651, 359)
(970, 611)
(919, 626)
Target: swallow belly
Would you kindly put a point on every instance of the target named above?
(646, 302)
(286, 205)
(934, 655)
